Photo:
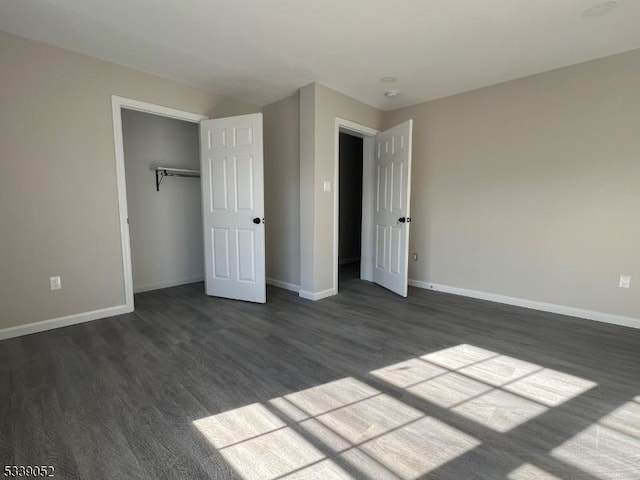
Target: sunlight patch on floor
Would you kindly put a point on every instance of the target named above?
(409, 373)
(449, 390)
(420, 447)
(273, 455)
(239, 425)
(609, 449)
(497, 391)
(550, 387)
(349, 429)
(530, 472)
(459, 356)
(625, 419)
(333, 431)
(259, 445)
(369, 418)
(330, 396)
(500, 370)
(499, 410)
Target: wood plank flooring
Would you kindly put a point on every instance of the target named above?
(362, 385)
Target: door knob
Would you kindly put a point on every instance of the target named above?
(402, 219)
(256, 220)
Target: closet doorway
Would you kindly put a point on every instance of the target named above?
(165, 213)
(228, 144)
(149, 224)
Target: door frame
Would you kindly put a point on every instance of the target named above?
(368, 142)
(117, 104)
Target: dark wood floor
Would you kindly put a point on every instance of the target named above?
(361, 385)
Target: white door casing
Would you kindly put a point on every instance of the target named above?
(233, 207)
(391, 208)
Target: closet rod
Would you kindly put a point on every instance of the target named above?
(162, 172)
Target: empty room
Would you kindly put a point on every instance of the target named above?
(268, 240)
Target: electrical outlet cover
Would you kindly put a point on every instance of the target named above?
(625, 281)
(55, 283)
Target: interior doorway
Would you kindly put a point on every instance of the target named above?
(350, 207)
(386, 188)
(365, 226)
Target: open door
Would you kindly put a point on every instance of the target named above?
(233, 207)
(391, 217)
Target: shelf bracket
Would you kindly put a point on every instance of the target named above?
(159, 176)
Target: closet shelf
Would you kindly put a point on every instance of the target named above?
(162, 172)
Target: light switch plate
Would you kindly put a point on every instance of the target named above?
(327, 186)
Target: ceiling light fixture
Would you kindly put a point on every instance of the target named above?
(389, 79)
(600, 9)
(391, 93)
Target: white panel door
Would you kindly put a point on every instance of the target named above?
(391, 217)
(233, 207)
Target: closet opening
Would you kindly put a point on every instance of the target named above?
(164, 219)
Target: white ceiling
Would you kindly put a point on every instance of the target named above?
(261, 51)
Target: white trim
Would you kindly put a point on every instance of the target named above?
(365, 133)
(366, 250)
(286, 285)
(317, 295)
(117, 104)
(421, 284)
(158, 286)
(45, 325)
(534, 305)
(356, 129)
(132, 104)
(123, 210)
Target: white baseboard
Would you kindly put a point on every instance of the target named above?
(317, 295)
(44, 325)
(286, 285)
(542, 306)
(158, 286)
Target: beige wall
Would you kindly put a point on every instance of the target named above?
(58, 199)
(319, 107)
(165, 226)
(527, 189)
(531, 188)
(307, 187)
(282, 189)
